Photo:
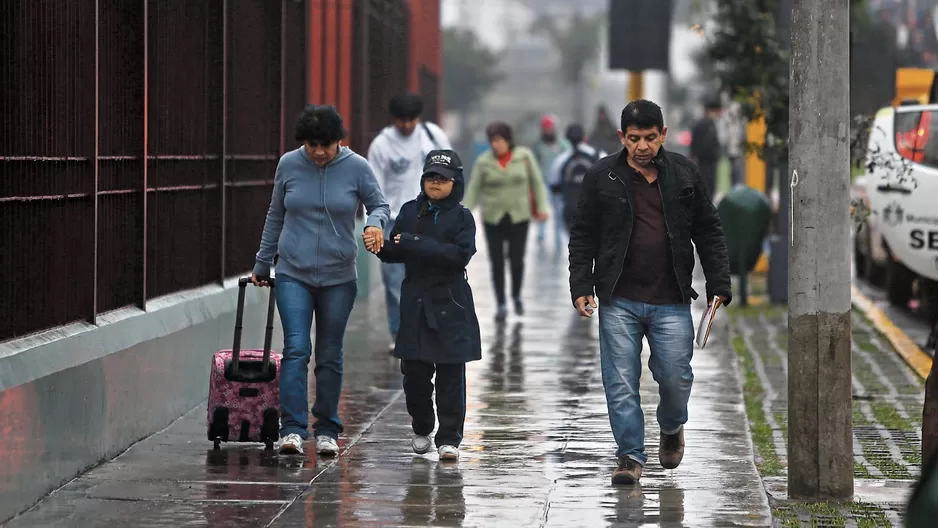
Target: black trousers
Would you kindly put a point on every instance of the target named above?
(515, 236)
(450, 399)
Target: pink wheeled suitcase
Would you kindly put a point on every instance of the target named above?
(244, 390)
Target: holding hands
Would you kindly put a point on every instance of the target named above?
(374, 239)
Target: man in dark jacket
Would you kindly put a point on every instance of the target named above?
(434, 237)
(638, 214)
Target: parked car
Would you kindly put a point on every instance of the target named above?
(869, 251)
(899, 247)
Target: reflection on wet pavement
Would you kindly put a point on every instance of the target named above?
(537, 452)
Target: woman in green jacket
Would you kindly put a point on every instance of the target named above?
(507, 183)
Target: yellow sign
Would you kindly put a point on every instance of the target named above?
(913, 83)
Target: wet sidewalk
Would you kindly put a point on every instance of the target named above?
(537, 452)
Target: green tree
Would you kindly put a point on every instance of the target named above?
(751, 62)
(470, 71)
(577, 43)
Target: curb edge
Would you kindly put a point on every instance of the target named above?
(913, 355)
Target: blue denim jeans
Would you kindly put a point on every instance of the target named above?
(670, 333)
(297, 304)
(393, 277)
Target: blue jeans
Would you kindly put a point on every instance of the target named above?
(393, 277)
(670, 333)
(332, 305)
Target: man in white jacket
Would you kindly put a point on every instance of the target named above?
(396, 155)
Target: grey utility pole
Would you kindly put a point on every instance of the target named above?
(820, 432)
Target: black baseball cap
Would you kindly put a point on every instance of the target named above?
(446, 163)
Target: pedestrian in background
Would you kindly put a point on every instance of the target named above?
(641, 213)
(546, 150)
(503, 181)
(735, 125)
(311, 226)
(705, 148)
(565, 176)
(434, 239)
(397, 155)
(605, 134)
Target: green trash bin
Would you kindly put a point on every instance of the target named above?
(745, 214)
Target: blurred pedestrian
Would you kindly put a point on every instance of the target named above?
(311, 227)
(397, 155)
(565, 176)
(705, 148)
(434, 238)
(546, 150)
(641, 213)
(735, 125)
(507, 183)
(605, 134)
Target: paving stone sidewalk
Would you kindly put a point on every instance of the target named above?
(538, 451)
(887, 414)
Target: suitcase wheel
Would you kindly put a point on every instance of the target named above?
(270, 429)
(218, 430)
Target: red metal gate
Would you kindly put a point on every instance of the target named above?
(137, 147)
(380, 53)
(139, 138)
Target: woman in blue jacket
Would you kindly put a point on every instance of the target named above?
(434, 236)
(311, 226)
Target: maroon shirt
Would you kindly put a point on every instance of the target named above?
(648, 272)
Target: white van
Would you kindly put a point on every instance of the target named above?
(900, 246)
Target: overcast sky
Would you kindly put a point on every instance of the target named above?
(493, 20)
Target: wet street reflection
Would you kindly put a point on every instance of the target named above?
(537, 452)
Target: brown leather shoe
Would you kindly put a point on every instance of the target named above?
(671, 449)
(628, 471)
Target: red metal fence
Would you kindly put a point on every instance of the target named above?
(381, 65)
(139, 138)
(138, 147)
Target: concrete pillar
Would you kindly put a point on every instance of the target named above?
(820, 446)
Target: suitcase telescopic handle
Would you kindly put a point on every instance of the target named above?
(239, 320)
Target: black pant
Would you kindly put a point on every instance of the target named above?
(450, 399)
(516, 236)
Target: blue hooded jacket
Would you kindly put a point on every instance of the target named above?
(311, 220)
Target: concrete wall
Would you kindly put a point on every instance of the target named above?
(78, 395)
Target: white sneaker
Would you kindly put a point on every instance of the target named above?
(326, 445)
(449, 452)
(421, 444)
(292, 445)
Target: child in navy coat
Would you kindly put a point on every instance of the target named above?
(434, 236)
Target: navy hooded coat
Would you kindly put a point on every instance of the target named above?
(438, 318)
